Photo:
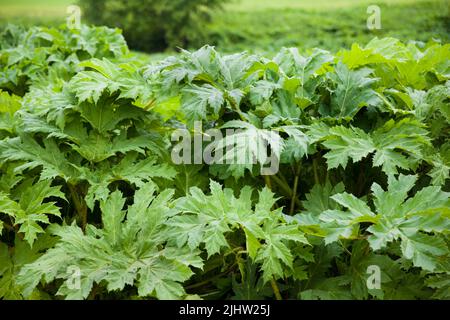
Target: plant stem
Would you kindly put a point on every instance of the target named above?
(80, 205)
(285, 187)
(361, 179)
(294, 191)
(275, 289)
(217, 276)
(282, 177)
(316, 175)
(268, 182)
(202, 283)
(343, 247)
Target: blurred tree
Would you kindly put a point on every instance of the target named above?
(154, 25)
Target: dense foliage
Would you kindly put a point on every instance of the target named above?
(87, 182)
(154, 25)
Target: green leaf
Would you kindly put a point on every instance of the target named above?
(405, 220)
(113, 216)
(441, 283)
(89, 85)
(356, 206)
(199, 101)
(352, 92)
(423, 249)
(130, 169)
(275, 252)
(441, 169)
(248, 146)
(347, 143)
(319, 200)
(105, 116)
(29, 208)
(395, 145)
(11, 262)
(296, 146)
(399, 218)
(329, 289)
(49, 158)
(129, 252)
(394, 139)
(210, 219)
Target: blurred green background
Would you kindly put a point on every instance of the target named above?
(267, 25)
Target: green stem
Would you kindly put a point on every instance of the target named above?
(285, 187)
(275, 289)
(316, 174)
(282, 177)
(268, 182)
(343, 247)
(80, 205)
(217, 276)
(205, 282)
(361, 181)
(294, 191)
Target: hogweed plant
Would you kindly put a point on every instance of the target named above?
(93, 204)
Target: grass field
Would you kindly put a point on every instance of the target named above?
(254, 5)
(267, 25)
(269, 29)
(57, 8)
(34, 8)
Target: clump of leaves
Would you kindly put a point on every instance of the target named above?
(92, 206)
